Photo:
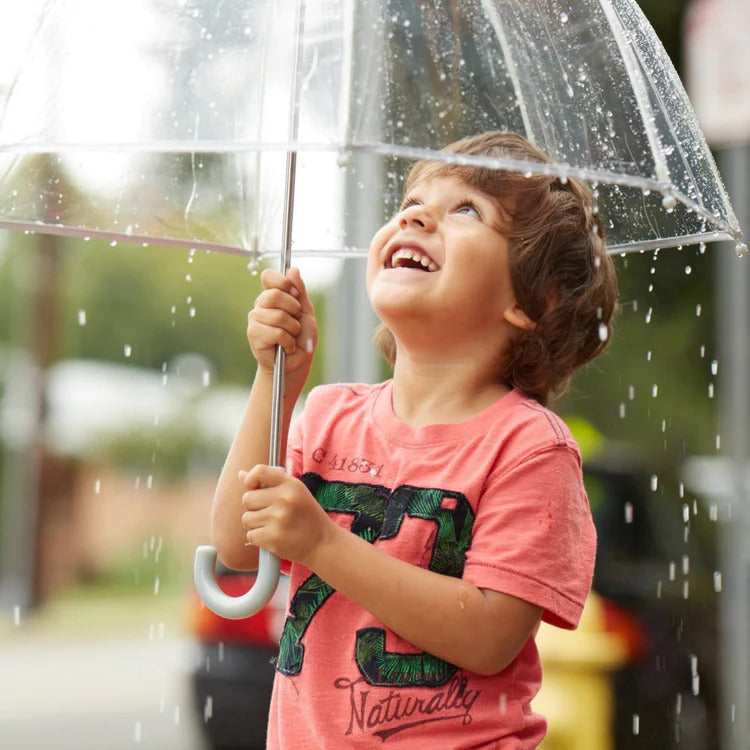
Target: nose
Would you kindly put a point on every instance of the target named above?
(417, 215)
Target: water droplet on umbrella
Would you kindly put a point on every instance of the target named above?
(563, 17)
(741, 250)
(253, 266)
(688, 270)
(669, 202)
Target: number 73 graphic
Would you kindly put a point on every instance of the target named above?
(378, 513)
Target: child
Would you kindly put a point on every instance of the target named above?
(432, 520)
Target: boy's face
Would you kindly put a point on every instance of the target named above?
(442, 263)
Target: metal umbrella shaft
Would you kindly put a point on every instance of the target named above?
(204, 571)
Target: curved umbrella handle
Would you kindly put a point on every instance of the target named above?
(234, 607)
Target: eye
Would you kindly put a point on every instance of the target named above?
(407, 203)
(468, 208)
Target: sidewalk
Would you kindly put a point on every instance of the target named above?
(105, 673)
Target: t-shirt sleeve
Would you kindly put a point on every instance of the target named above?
(534, 537)
(294, 448)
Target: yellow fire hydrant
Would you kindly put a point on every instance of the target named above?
(576, 694)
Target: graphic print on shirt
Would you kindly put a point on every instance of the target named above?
(377, 513)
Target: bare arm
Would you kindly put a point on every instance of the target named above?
(283, 314)
(448, 617)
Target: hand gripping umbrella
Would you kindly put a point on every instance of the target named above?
(198, 125)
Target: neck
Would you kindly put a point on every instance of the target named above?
(438, 389)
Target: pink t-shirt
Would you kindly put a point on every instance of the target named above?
(497, 499)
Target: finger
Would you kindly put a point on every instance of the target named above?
(273, 279)
(304, 298)
(268, 337)
(263, 475)
(276, 318)
(276, 299)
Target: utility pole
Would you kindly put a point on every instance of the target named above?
(718, 81)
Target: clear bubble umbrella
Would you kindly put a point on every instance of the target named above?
(261, 126)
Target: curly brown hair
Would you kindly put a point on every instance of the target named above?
(562, 276)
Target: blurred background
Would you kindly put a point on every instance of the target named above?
(123, 373)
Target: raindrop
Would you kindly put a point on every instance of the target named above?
(563, 17)
(113, 243)
(253, 266)
(603, 332)
(659, 586)
(672, 571)
(654, 390)
(176, 715)
(698, 310)
(138, 732)
(343, 159)
(631, 392)
(81, 317)
(714, 367)
(17, 615)
(97, 486)
(127, 350)
(636, 724)
(717, 581)
(741, 250)
(688, 270)
(156, 585)
(685, 565)
(654, 482)
(192, 312)
(628, 509)
(208, 709)
(188, 277)
(206, 378)
(686, 590)
(669, 202)
(713, 512)
(685, 512)
(622, 411)
(718, 442)
(710, 390)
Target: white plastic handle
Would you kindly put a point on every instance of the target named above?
(234, 607)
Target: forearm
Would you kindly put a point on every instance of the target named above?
(448, 617)
(249, 447)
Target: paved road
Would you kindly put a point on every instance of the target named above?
(124, 692)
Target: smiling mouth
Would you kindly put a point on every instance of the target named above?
(411, 257)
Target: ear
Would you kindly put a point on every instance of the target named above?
(518, 318)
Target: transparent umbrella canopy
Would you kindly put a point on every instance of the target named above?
(201, 124)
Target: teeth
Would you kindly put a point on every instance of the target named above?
(411, 254)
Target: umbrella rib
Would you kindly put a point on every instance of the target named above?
(639, 90)
(494, 18)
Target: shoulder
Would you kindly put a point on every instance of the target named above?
(529, 430)
(329, 403)
(527, 419)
